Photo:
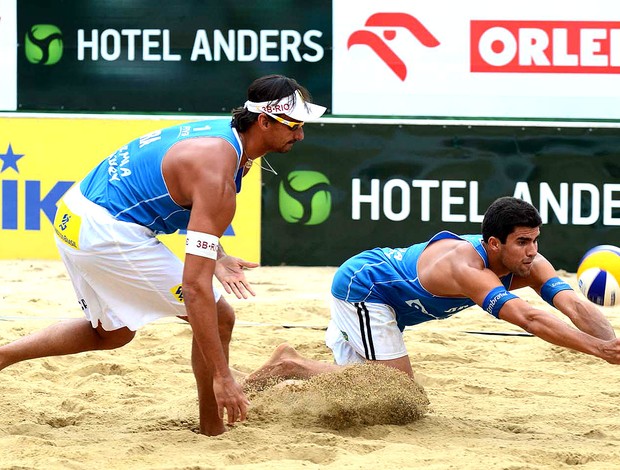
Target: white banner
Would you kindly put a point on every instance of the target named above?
(8, 55)
(539, 59)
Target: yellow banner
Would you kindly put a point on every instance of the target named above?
(41, 158)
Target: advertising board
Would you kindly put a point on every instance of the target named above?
(41, 158)
(8, 55)
(158, 56)
(556, 59)
(351, 187)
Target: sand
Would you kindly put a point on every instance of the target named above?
(495, 402)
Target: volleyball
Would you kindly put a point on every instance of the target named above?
(599, 273)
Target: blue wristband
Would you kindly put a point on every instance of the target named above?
(496, 299)
(552, 287)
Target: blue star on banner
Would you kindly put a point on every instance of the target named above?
(9, 159)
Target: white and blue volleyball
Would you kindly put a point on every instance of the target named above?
(599, 273)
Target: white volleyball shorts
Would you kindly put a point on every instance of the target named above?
(122, 274)
(360, 331)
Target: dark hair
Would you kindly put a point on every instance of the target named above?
(507, 213)
(267, 88)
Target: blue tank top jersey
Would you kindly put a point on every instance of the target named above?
(130, 184)
(390, 276)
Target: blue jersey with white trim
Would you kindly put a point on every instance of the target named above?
(130, 183)
(390, 276)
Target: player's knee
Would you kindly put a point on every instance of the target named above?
(225, 319)
(114, 339)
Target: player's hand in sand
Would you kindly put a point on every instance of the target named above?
(229, 271)
(230, 397)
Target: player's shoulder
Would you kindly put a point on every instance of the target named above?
(453, 255)
(457, 246)
(203, 158)
(205, 146)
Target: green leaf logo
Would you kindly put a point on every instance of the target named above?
(43, 44)
(304, 198)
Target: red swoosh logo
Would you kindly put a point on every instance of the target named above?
(406, 21)
(381, 49)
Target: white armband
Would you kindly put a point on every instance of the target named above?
(202, 244)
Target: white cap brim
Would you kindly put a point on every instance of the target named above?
(293, 106)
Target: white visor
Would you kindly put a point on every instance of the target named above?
(293, 106)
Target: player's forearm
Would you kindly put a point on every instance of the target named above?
(590, 320)
(553, 330)
(597, 327)
(208, 341)
(584, 315)
(202, 316)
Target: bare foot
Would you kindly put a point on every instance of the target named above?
(283, 364)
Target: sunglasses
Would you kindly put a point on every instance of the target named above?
(291, 125)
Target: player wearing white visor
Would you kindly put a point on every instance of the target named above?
(295, 106)
(292, 111)
(183, 177)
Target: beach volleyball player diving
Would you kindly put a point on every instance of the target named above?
(379, 292)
